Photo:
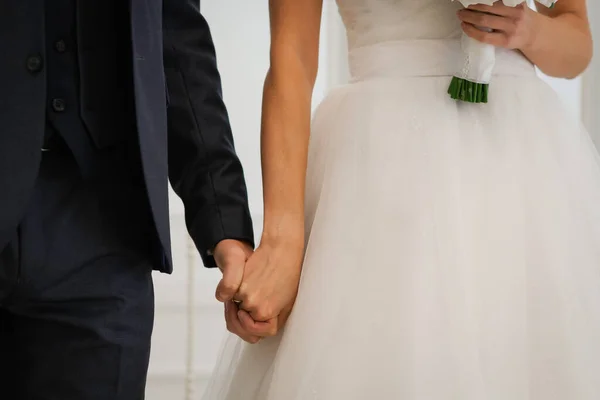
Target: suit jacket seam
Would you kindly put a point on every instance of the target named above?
(197, 126)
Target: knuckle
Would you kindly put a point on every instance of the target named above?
(516, 25)
(225, 265)
(519, 19)
(243, 289)
(249, 306)
(483, 20)
(256, 332)
(228, 287)
(260, 316)
(482, 37)
(249, 329)
(511, 29)
(263, 313)
(225, 258)
(250, 302)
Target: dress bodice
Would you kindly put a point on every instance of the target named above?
(374, 21)
(412, 38)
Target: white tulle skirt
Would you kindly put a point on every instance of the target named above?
(453, 249)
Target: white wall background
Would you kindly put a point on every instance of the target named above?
(241, 33)
(591, 80)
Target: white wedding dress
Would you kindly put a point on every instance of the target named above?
(453, 249)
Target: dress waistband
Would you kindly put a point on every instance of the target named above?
(425, 58)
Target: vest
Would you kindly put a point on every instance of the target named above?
(89, 76)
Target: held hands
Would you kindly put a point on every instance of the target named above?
(504, 26)
(259, 299)
(230, 257)
(269, 288)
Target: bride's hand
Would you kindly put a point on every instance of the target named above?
(269, 287)
(513, 27)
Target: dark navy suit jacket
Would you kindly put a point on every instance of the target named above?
(182, 123)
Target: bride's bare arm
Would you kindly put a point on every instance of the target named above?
(289, 84)
(562, 44)
(557, 40)
(271, 276)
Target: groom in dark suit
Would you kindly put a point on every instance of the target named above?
(94, 95)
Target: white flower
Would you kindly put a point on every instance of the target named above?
(510, 3)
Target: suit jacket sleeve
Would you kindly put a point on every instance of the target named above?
(204, 169)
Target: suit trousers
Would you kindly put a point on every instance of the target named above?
(76, 292)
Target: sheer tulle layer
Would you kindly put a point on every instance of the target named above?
(453, 253)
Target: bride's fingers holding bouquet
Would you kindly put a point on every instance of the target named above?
(500, 25)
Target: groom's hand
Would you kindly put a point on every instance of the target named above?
(269, 287)
(230, 256)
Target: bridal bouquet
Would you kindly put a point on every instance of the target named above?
(471, 83)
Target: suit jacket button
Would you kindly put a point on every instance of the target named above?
(58, 105)
(34, 63)
(60, 46)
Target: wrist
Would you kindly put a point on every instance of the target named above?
(288, 241)
(286, 231)
(243, 244)
(532, 42)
